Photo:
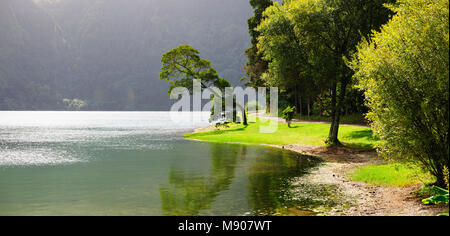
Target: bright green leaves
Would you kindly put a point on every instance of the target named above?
(442, 197)
(404, 72)
(181, 65)
(307, 44)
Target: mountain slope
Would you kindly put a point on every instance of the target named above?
(29, 47)
(107, 52)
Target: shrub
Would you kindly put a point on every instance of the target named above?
(288, 114)
(404, 72)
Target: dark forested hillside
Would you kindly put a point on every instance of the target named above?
(107, 53)
(29, 45)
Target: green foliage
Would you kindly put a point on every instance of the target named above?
(256, 65)
(307, 42)
(74, 104)
(183, 64)
(404, 71)
(441, 194)
(288, 114)
(442, 197)
(259, 6)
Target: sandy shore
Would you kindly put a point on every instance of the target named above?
(365, 199)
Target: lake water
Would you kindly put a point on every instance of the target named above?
(136, 163)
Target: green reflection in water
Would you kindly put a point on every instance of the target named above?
(270, 181)
(189, 193)
(266, 174)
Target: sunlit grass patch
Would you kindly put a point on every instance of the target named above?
(396, 174)
(299, 133)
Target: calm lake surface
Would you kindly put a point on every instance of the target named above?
(136, 163)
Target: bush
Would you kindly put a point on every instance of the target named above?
(288, 114)
(405, 75)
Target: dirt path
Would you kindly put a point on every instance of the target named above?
(366, 200)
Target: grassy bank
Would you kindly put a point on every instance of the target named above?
(299, 133)
(397, 174)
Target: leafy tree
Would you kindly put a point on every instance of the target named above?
(288, 114)
(404, 71)
(183, 64)
(289, 66)
(256, 65)
(322, 34)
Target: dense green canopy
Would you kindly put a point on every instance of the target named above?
(307, 42)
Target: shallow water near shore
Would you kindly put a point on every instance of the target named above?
(138, 163)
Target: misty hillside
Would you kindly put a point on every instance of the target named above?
(107, 52)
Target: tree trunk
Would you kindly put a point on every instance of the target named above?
(309, 106)
(334, 131)
(244, 115)
(297, 108)
(440, 176)
(333, 108)
(300, 105)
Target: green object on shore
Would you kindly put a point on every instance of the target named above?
(442, 197)
(288, 114)
(299, 133)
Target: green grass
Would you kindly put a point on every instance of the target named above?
(395, 174)
(299, 133)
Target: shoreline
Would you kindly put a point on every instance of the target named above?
(365, 199)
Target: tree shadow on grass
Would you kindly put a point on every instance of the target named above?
(360, 139)
(362, 134)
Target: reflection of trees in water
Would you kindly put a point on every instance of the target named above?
(269, 176)
(189, 193)
(270, 179)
